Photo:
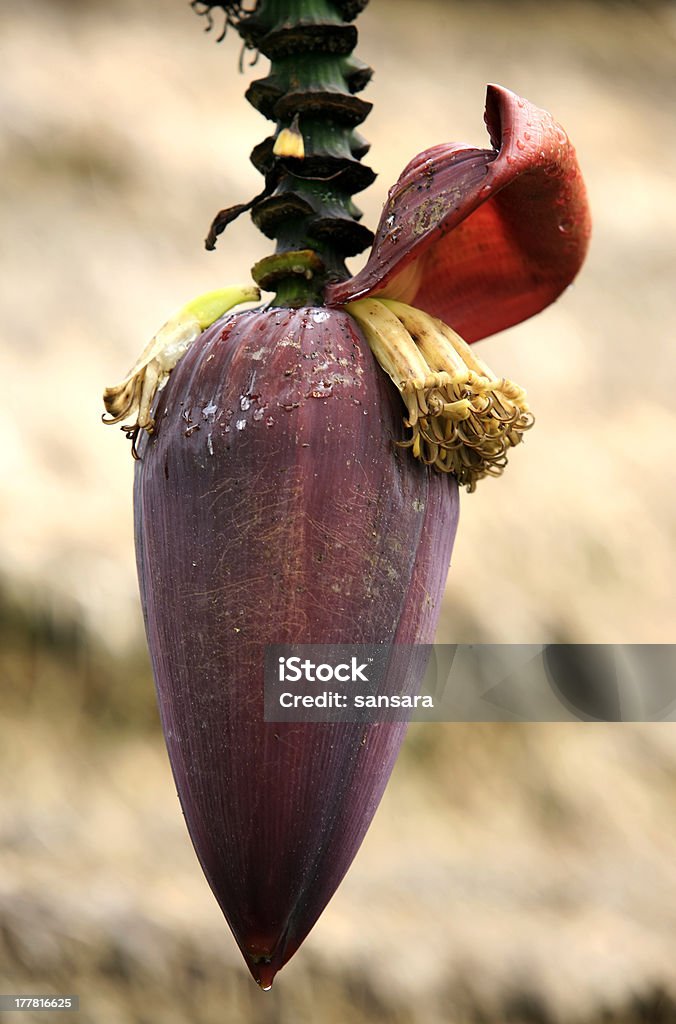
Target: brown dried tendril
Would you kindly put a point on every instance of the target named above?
(233, 11)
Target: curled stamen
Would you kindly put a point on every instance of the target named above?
(432, 433)
(503, 413)
(462, 417)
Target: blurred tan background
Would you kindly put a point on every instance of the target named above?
(522, 874)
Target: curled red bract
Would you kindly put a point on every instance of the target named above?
(482, 238)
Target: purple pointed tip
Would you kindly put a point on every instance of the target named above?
(264, 958)
(264, 974)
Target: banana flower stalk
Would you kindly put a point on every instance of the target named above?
(298, 463)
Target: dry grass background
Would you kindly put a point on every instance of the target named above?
(520, 874)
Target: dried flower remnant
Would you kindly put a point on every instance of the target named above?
(462, 417)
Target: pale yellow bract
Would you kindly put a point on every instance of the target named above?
(134, 395)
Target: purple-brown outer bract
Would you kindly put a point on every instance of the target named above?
(272, 506)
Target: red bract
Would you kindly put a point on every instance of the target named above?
(482, 239)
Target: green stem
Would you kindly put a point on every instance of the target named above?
(307, 206)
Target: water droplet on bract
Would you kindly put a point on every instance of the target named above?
(240, 424)
(561, 136)
(269, 422)
(244, 403)
(209, 411)
(320, 316)
(526, 136)
(565, 226)
(520, 144)
(210, 445)
(322, 390)
(258, 414)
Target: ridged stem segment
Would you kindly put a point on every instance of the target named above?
(312, 161)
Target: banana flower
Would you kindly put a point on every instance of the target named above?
(275, 500)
